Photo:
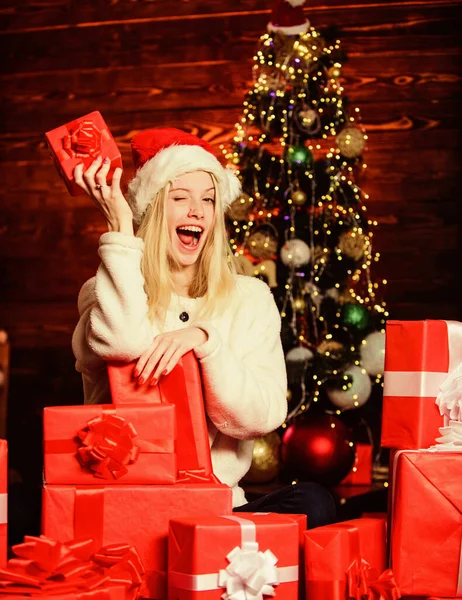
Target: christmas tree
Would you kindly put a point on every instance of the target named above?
(301, 224)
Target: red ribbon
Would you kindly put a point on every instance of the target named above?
(107, 446)
(364, 583)
(45, 567)
(84, 141)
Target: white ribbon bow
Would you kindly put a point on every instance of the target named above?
(250, 575)
(449, 399)
(451, 438)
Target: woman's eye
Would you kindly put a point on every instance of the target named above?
(179, 198)
(212, 200)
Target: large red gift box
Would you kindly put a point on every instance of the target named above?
(343, 555)
(93, 444)
(426, 532)
(183, 388)
(137, 515)
(361, 472)
(81, 141)
(419, 355)
(209, 557)
(3, 502)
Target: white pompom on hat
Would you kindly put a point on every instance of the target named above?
(163, 154)
(287, 17)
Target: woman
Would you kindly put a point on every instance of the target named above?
(173, 288)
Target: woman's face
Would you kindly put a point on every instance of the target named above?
(190, 215)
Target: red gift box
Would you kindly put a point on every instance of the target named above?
(138, 515)
(183, 388)
(81, 141)
(46, 568)
(208, 556)
(426, 518)
(96, 443)
(341, 559)
(361, 472)
(3, 502)
(419, 355)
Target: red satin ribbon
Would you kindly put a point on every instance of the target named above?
(45, 567)
(84, 141)
(364, 583)
(107, 446)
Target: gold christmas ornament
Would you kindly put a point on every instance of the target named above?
(298, 197)
(352, 244)
(350, 142)
(299, 305)
(266, 462)
(308, 121)
(331, 346)
(263, 242)
(240, 209)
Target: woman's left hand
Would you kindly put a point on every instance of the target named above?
(165, 352)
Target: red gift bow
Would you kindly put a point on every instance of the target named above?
(45, 567)
(107, 446)
(84, 141)
(363, 583)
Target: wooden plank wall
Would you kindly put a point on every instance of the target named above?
(146, 63)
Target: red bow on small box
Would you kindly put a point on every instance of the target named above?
(84, 141)
(46, 568)
(107, 446)
(364, 583)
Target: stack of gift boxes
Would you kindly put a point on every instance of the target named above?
(422, 367)
(131, 484)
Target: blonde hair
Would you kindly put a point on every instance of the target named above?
(216, 265)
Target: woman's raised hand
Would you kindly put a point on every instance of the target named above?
(108, 198)
(165, 352)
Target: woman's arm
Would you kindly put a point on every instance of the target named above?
(113, 306)
(246, 386)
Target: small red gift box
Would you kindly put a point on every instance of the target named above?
(81, 141)
(419, 355)
(3, 502)
(183, 388)
(139, 515)
(46, 568)
(426, 523)
(216, 557)
(345, 558)
(361, 472)
(128, 444)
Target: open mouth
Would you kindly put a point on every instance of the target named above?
(189, 235)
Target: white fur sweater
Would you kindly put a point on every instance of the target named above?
(242, 362)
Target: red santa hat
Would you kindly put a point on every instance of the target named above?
(287, 17)
(163, 154)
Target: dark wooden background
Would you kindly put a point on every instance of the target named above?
(147, 63)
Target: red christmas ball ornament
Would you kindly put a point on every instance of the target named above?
(318, 448)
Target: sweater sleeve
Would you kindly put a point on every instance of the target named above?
(246, 387)
(113, 306)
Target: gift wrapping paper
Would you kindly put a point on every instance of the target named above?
(245, 555)
(3, 503)
(419, 356)
(426, 523)
(81, 141)
(95, 444)
(138, 515)
(352, 553)
(183, 388)
(361, 472)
